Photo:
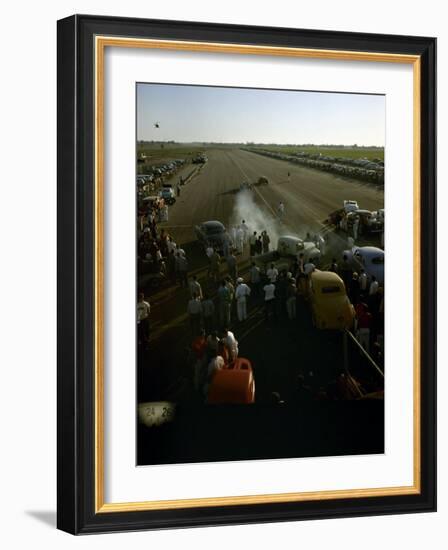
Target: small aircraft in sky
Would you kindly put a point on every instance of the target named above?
(156, 125)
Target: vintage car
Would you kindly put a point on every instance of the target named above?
(167, 194)
(263, 180)
(330, 306)
(369, 258)
(234, 384)
(245, 185)
(288, 249)
(349, 206)
(214, 233)
(368, 222)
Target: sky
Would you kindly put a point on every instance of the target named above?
(239, 115)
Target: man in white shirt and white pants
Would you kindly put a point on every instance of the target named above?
(241, 294)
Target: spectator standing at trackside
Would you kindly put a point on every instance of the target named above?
(170, 244)
(231, 343)
(208, 313)
(353, 289)
(300, 264)
(232, 266)
(363, 282)
(242, 293)
(309, 267)
(281, 210)
(171, 265)
(373, 290)
(224, 303)
(321, 244)
(194, 310)
(209, 251)
(266, 241)
(363, 331)
(182, 269)
(374, 286)
(255, 278)
(334, 266)
(239, 240)
(345, 270)
(259, 246)
(291, 297)
(280, 292)
(252, 243)
(215, 260)
(216, 363)
(195, 287)
(356, 228)
(272, 274)
(226, 245)
(212, 344)
(245, 231)
(143, 312)
(269, 300)
(231, 288)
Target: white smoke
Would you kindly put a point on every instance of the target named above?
(257, 218)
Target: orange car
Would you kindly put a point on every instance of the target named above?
(233, 384)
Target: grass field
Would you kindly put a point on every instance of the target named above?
(155, 153)
(342, 152)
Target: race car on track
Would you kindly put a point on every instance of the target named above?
(214, 233)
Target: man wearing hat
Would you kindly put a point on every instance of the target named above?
(241, 294)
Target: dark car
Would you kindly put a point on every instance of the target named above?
(212, 232)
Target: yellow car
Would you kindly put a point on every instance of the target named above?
(330, 306)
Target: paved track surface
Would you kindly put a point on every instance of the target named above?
(309, 195)
(279, 350)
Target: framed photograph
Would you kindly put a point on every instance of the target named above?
(246, 274)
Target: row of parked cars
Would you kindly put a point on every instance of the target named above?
(361, 169)
(159, 171)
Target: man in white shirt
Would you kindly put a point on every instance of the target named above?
(281, 210)
(171, 245)
(143, 311)
(321, 244)
(362, 279)
(194, 310)
(216, 363)
(373, 286)
(309, 267)
(242, 292)
(239, 240)
(272, 274)
(195, 287)
(231, 343)
(269, 299)
(245, 230)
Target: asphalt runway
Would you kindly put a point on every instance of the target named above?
(308, 195)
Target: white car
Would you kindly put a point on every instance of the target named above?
(350, 206)
(369, 258)
(167, 193)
